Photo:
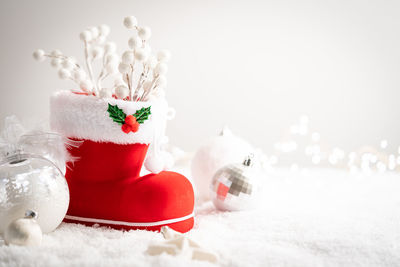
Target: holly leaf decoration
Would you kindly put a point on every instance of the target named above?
(142, 114)
(116, 114)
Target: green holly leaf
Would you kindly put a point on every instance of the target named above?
(142, 114)
(116, 114)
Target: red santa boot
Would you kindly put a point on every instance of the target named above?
(104, 179)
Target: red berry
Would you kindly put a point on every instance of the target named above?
(126, 128)
(130, 120)
(135, 127)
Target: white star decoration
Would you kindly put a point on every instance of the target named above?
(178, 244)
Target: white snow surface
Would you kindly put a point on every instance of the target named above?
(317, 218)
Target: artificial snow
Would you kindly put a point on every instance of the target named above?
(314, 218)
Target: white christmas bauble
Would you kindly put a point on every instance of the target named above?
(236, 187)
(216, 153)
(30, 183)
(24, 232)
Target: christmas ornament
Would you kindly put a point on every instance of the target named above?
(216, 153)
(24, 232)
(236, 186)
(180, 245)
(29, 178)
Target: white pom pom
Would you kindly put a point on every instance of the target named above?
(56, 63)
(110, 47)
(105, 93)
(144, 33)
(118, 81)
(159, 93)
(86, 36)
(101, 39)
(160, 69)
(104, 30)
(111, 68)
(124, 68)
(86, 85)
(127, 57)
(80, 75)
(23, 232)
(68, 64)
(97, 52)
(56, 53)
(121, 92)
(164, 55)
(141, 54)
(135, 42)
(64, 74)
(161, 81)
(39, 55)
(111, 58)
(154, 163)
(147, 48)
(130, 22)
(95, 32)
(147, 85)
(152, 62)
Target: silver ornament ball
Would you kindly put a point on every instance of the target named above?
(29, 182)
(236, 187)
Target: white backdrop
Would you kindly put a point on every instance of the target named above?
(253, 65)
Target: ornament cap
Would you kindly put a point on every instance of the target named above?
(248, 160)
(31, 214)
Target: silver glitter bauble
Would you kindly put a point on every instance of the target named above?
(29, 182)
(235, 187)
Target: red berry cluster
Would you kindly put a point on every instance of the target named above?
(130, 125)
